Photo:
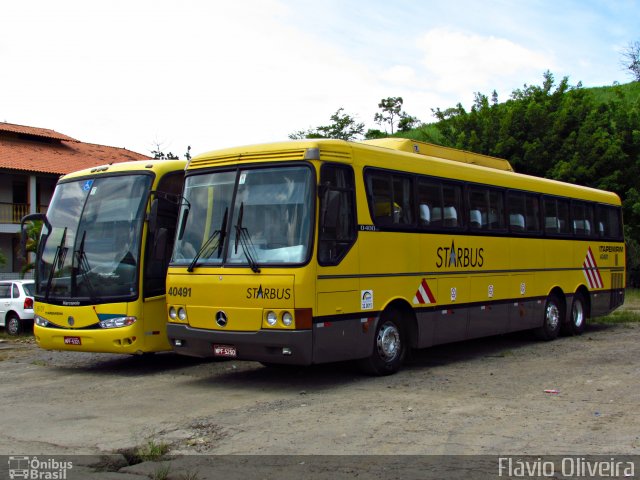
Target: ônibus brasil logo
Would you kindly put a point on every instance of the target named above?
(38, 469)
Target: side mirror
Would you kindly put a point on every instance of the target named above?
(33, 217)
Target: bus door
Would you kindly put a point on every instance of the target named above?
(339, 329)
(161, 234)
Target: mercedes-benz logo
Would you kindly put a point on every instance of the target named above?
(71, 321)
(221, 318)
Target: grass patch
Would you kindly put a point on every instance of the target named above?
(162, 472)
(150, 451)
(621, 316)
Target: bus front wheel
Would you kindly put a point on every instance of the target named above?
(389, 345)
(553, 317)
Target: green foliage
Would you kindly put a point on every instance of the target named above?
(151, 451)
(343, 127)
(159, 155)
(3, 259)
(373, 133)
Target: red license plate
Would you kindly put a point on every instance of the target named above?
(72, 341)
(224, 351)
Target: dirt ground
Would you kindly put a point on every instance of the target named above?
(488, 397)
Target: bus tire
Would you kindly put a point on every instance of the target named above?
(389, 345)
(553, 315)
(579, 316)
(13, 326)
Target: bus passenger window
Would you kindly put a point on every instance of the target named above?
(391, 198)
(430, 203)
(609, 224)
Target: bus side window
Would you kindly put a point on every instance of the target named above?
(609, 223)
(429, 203)
(337, 225)
(391, 199)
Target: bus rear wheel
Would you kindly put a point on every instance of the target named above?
(553, 316)
(389, 345)
(579, 316)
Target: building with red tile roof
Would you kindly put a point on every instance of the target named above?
(31, 161)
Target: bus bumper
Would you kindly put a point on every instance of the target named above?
(290, 347)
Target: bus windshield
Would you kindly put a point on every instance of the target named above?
(255, 217)
(92, 251)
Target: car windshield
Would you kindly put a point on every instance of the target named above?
(93, 249)
(255, 217)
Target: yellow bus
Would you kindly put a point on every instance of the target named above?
(102, 258)
(324, 250)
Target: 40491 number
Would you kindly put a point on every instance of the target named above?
(180, 291)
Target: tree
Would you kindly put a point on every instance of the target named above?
(393, 114)
(344, 127)
(631, 59)
(158, 153)
(391, 111)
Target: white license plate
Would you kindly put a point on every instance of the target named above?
(72, 341)
(224, 351)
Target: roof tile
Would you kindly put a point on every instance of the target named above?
(61, 156)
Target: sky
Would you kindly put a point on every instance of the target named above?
(210, 74)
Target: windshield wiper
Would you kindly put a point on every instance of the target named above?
(216, 235)
(82, 267)
(57, 263)
(243, 237)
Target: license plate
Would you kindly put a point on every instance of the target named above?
(224, 351)
(72, 341)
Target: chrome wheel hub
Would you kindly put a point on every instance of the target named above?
(388, 341)
(553, 316)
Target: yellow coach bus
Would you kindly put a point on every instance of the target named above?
(103, 255)
(323, 250)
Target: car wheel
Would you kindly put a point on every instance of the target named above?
(13, 326)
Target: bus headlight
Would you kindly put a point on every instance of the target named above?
(172, 313)
(272, 318)
(118, 322)
(287, 319)
(182, 314)
(40, 321)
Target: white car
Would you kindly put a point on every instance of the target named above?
(16, 304)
